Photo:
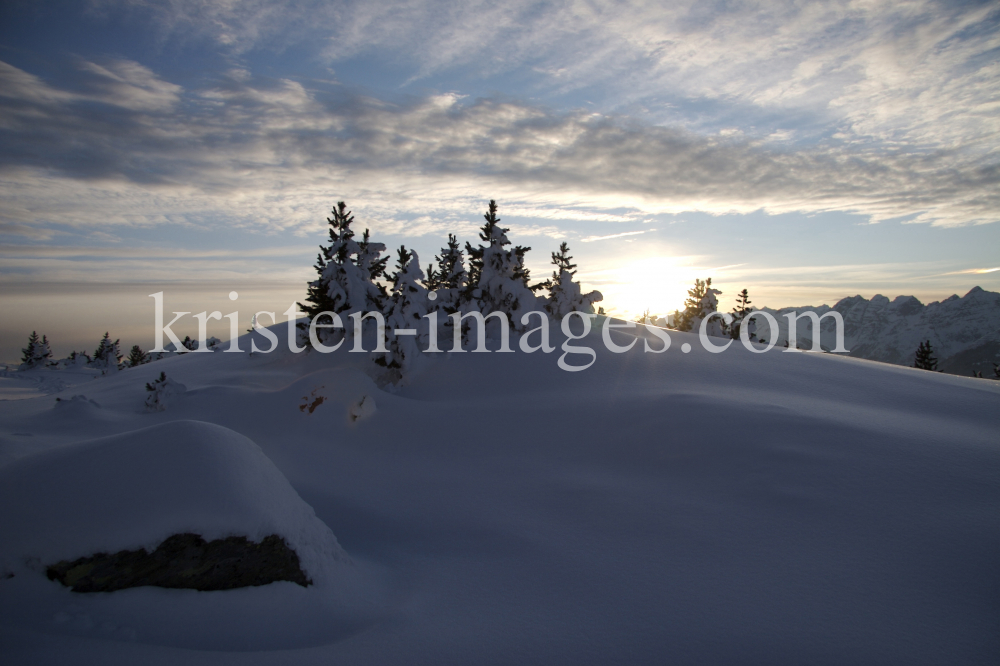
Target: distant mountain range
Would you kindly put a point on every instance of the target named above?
(964, 332)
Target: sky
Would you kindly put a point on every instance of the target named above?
(804, 151)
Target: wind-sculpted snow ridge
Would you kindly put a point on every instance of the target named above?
(964, 332)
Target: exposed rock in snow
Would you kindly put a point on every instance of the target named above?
(185, 561)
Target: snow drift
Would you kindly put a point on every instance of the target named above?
(682, 508)
(135, 489)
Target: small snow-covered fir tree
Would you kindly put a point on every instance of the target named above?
(702, 300)
(136, 357)
(347, 272)
(28, 353)
(43, 354)
(160, 392)
(107, 356)
(404, 310)
(924, 358)
(37, 354)
(447, 284)
(432, 279)
(448, 280)
(498, 280)
(565, 295)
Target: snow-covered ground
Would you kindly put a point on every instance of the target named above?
(778, 508)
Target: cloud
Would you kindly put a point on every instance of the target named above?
(590, 239)
(130, 252)
(271, 155)
(26, 231)
(921, 72)
(973, 271)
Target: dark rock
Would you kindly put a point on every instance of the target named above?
(185, 561)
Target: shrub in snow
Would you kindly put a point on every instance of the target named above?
(76, 359)
(362, 409)
(347, 271)
(161, 391)
(564, 293)
(37, 353)
(77, 408)
(187, 344)
(185, 561)
(76, 400)
(404, 309)
(107, 356)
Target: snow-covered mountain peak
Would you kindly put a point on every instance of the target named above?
(962, 329)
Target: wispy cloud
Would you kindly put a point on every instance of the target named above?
(590, 239)
(918, 73)
(974, 271)
(125, 252)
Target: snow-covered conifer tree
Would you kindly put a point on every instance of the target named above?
(136, 357)
(28, 353)
(449, 277)
(107, 356)
(43, 354)
(564, 293)
(702, 300)
(404, 310)
(347, 271)
(37, 354)
(372, 265)
(432, 279)
(498, 280)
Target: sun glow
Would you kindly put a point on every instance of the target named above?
(658, 284)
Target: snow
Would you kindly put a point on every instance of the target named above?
(12, 389)
(161, 392)
(655, 508)
(135, 489)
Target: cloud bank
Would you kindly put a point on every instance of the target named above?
(126, 147)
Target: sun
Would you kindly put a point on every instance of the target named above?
(657, 284)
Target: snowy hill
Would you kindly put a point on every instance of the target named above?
(964, 332)
(655, 508)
